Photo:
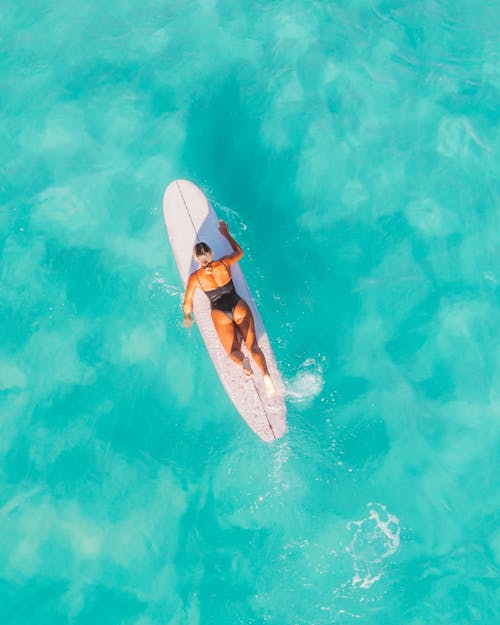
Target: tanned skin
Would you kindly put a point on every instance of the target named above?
(215, 274)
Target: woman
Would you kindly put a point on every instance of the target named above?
(230, 313)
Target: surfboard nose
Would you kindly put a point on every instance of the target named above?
(179, 183)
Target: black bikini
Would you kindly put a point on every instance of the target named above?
(223, 297)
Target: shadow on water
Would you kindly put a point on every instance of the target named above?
(225, 151)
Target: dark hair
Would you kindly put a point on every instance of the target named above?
(202, 248)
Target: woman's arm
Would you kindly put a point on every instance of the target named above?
(237, 251)
(188, 301)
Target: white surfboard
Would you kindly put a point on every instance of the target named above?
(190, 218)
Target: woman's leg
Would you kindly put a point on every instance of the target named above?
(244, 320)
(226, 331)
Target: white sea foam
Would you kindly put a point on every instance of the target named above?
(376, 537)
(307, 383)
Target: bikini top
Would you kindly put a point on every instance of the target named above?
(221, 291)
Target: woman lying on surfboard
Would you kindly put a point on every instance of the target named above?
(231, 314)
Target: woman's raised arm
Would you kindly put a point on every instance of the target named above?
(237, 251)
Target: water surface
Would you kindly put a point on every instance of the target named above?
(353, 149)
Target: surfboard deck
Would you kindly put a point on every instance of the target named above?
(190, 218)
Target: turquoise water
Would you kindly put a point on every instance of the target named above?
(354, 149)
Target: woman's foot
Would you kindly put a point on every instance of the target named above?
(247, 368)
(268, 385)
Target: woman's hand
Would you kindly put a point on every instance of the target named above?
(223, 228)
(237, 251)
(188, 321)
